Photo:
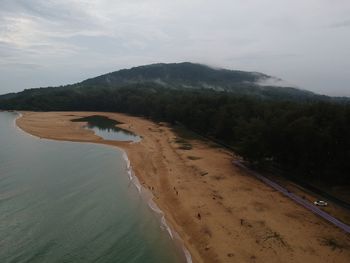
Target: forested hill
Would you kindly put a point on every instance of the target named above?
(197, 76)
(185, 75)
(190, 76)
(306, 135)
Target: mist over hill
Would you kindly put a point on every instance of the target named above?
(189, 76)
(184, 75)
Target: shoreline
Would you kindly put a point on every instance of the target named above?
(146, 195)
(220, 213)
(142, 191)
(148, 198)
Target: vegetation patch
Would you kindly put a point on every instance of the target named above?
(186, 146)
(193, 158)
(333, 243)
(102, 120)
(185, 133)
(214, 145)
(180, 140)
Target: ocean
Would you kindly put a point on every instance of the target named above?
(73, 202)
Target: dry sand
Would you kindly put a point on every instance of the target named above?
(222, 213)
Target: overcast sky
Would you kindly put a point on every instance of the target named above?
(55, 42)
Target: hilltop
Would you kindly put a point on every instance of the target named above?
(183, 76)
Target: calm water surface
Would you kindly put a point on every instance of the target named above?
(72, 202)
(107, 129)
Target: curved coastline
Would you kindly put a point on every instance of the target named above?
(221, 213)
(143, 192)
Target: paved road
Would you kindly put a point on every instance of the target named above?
(297, 199)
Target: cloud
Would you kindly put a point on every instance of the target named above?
(18, 65)
(88, 37)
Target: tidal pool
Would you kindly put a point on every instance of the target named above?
(107, 129)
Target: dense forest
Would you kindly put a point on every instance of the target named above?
(309, 139)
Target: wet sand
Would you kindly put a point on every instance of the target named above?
(221, 212)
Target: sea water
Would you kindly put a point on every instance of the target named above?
(72, 202)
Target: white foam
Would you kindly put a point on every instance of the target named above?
(148, 196)
(165, 225)
(145, 194)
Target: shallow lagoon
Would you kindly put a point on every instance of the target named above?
(107, 129)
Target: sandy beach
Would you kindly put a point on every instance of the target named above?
(222, 213)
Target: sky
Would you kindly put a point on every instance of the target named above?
(48, 43)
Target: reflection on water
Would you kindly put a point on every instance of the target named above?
(107, 129)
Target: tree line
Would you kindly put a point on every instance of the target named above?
(309, 140)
